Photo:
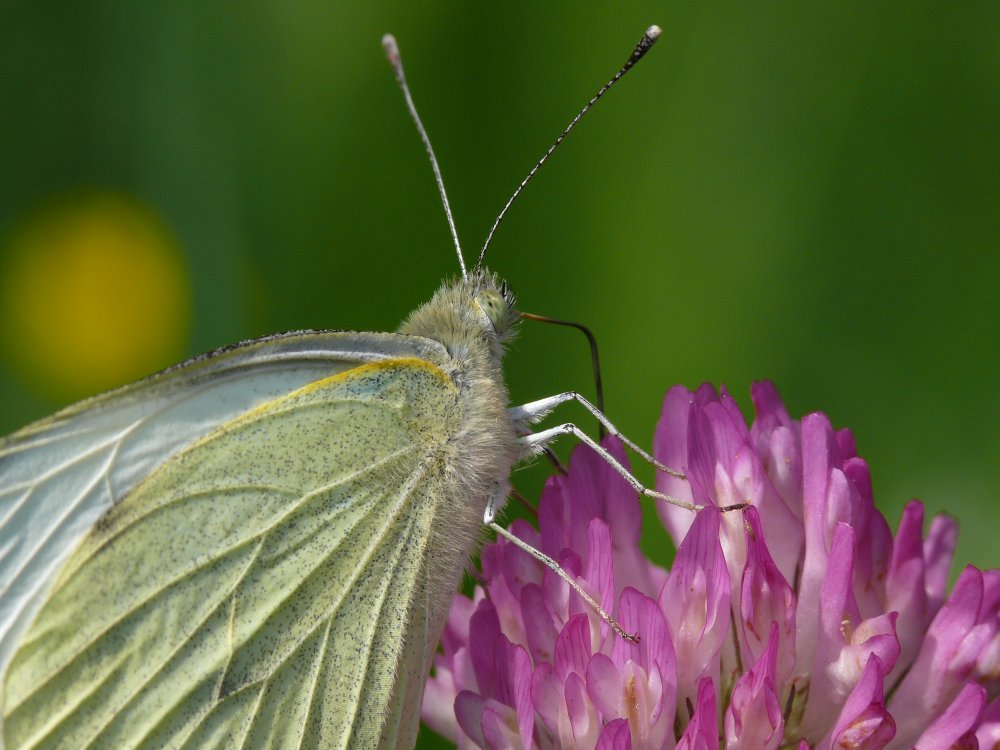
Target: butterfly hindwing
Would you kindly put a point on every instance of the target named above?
(219, 601)
(59, 475)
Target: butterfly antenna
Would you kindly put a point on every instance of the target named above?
(647, 41)
(392, 52)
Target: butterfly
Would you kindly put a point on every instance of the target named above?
(258, 547)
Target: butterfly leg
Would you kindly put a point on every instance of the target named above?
(497, 500)
(533, 441)
(536, 410)
(557, 569)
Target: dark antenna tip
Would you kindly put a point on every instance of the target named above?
(647, 41)
(643, 46)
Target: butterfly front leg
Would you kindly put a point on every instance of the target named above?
(532, 442)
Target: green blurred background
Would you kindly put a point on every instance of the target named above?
(803, 193)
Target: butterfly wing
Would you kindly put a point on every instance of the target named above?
(264, 581)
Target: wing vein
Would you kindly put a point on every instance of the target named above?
(315, 681)
(194, 568)
(78, 458)
(152, 673)
(249, 724)
(368, 651)
(42, 542)
(405, 493)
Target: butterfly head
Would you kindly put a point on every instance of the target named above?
(468, 315)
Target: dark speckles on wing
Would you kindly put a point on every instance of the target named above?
(270, 568)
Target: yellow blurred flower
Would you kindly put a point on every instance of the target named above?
(94, 293)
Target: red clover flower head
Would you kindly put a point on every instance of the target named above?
(801, 622)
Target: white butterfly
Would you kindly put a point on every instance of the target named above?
(258, 547)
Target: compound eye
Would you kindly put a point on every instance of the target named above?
(495, 307)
